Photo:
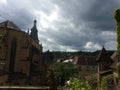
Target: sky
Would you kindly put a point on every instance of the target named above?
(66, 25)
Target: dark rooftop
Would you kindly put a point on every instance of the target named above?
(85, 60)
(103, 56)
(9, 24)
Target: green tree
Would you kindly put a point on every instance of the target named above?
(63, 72)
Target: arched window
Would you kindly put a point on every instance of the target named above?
(12, 57)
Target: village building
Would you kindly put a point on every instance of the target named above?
(87, 65)
(107, 66)
(21, 60)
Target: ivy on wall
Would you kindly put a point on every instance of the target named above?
(117, 18)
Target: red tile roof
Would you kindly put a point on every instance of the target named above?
(85, 60)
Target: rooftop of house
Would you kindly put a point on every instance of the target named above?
(103, 56)
(85, 60)
(9, 24)
(114, 57)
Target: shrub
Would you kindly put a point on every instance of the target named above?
(77, 84)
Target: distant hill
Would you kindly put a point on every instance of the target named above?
(59, 54)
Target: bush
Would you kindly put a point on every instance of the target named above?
(93, 82)
(63, 72)
(77, 84)
(104, 82)
(118, 69)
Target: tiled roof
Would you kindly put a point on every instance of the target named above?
(85, 60)
(9, 24)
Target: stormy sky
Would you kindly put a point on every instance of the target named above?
(66, 25)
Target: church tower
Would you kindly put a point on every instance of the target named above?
(34, 32)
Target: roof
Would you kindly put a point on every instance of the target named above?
(85, 60)
(34, 31)
(9, 24)
(103, 56)
(107, 72)
(115, 60)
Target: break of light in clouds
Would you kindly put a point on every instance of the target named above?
(66, 25)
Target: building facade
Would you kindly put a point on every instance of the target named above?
(87, 65)
(20, 55)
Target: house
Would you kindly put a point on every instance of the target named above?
(21, 55)
(104, 62)
(107, 66)
(87, 65)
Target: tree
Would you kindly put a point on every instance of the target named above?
(63, 72)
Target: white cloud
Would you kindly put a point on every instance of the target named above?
(92, 46)
(3, 1)
(110, 45)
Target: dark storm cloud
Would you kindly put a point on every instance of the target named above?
(96, 16)
(101, 15)
(79, 24)
(20, 16)
(24, 20)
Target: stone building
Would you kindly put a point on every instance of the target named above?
(87, 65)
(20, 55)
(107, 66)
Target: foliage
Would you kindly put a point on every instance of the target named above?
(2, 37)
(117, 18)
(118, 69)
(63, 72)
(116, 15)
(59, 54)
(93, 82)
(104, 82)
(77, 84)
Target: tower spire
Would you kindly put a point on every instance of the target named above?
(34, 31)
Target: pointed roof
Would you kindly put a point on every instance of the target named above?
(115, 60)
(34, 31)
(9, 24)
(103, 56)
